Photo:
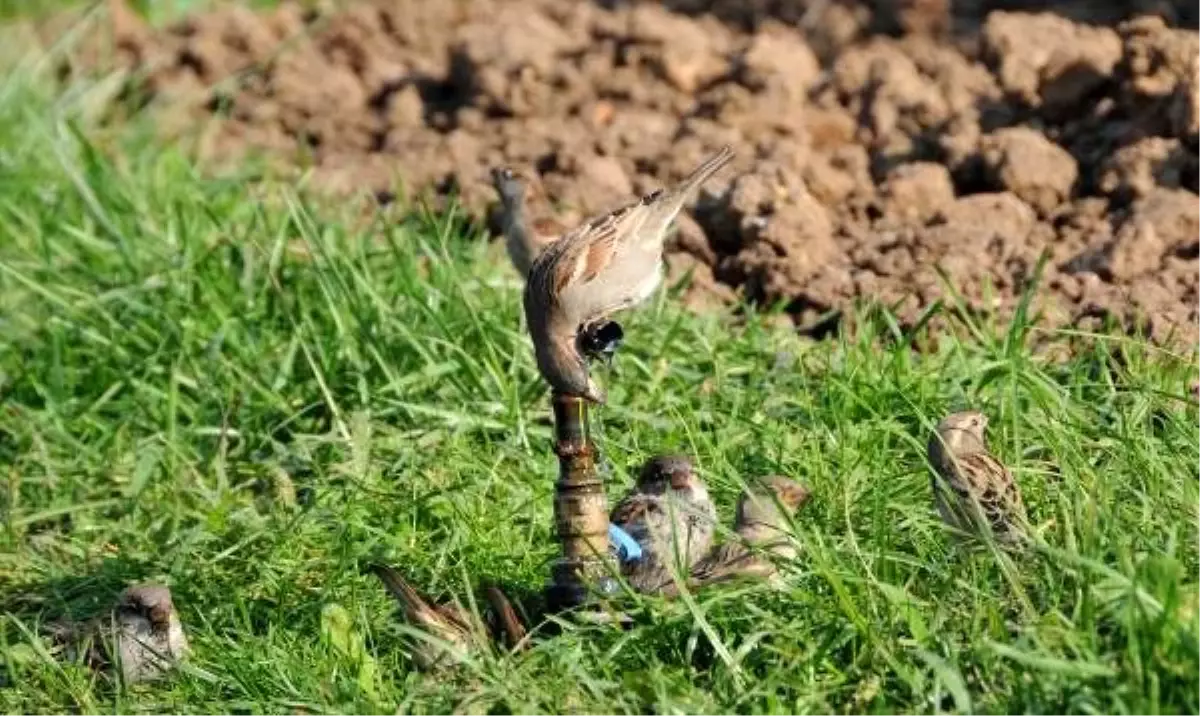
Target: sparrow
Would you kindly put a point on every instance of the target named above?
(670, 515)
(141, 636)
(454, 633)
(972, 490)
(609, 263)
(525, 237)
(761, 536)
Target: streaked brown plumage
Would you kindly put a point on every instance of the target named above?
(142, 636)
(525, 236)
(456, 632)
(670, 515)
(605, 265)
(761, 536)
(972, 490)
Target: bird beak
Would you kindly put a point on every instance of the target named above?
(681, 480)
(595, 393)
(160, 616)
(797, 498)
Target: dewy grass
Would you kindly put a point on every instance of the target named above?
(250, 396)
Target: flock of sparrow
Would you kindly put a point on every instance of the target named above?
(669, 514)
(575, 281)
(666, 525)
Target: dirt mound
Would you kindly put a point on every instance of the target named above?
(875, 143)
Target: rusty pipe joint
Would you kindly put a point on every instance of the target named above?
(585, 566)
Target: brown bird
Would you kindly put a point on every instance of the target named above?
(525, 236)
(670, 515)
(972, 490)
(608, 264)
(454, 633)
(761, 529)
(142, 636)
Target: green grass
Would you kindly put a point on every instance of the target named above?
(248, 392)
(155, 10)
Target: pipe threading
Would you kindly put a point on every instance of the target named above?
(580, 510)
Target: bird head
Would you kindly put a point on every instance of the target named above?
(566, 369)
(556, 347)
(509, 185)
(771, 502)
(152, 601)
(964, 431)
(674, 473)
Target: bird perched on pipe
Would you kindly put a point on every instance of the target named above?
(142, 636)
(973, 491)
(607, 264)
(671, 516)
(454, 633)
(761, 536)
(526, 236)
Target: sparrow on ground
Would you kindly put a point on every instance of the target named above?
(141, 636)
(455, 633)
(670, 515)
(525, 236)
(972, 490)
(607, 264)
(761, 536)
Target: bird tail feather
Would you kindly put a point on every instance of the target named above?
(670, 204)
(416, 608)
(510, 624)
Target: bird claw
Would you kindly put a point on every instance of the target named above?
(601, 340)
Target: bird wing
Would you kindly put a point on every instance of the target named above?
(984, 480)
(510, 622)
(417, 608)
(597, 268)
(721, 562)
(578, 256)
(991, 482)
(633, 510)
(591, 248)
(546, 230)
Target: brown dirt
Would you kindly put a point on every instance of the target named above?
(876, 142)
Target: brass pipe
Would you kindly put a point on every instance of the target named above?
(586, 565)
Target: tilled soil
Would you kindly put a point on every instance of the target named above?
(876, 142)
